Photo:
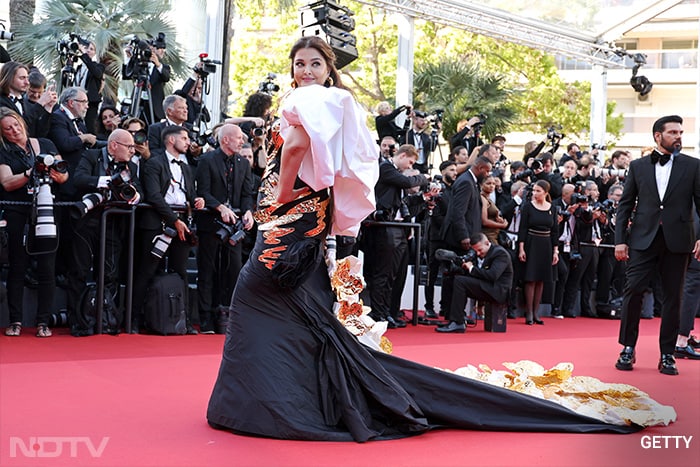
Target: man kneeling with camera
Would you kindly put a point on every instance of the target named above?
(487, 275)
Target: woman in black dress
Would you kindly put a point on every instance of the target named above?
(539, 247)
(290, 369)
(17, 176)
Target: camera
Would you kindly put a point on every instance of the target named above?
(454, 259)
(231, 234)
(577, 198)
(69, 48)
(268, 85)
(161, 242)
(206, 66)
(554, 133)
(121, 186)
(5, 35)
(45, 162)
(600, 147)
(158, 42)
(620, 173)
(435, 118)
(476, 128)
(88, 202)
(140, 136)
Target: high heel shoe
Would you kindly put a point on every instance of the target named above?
(538, 321)
(528, 318)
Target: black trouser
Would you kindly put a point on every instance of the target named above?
(18, 263)
(581, 278)
(85, 248)
(606, 266)
(218, 266)
(691, 298)
(465, 287)
(434, 267)
(390, 245)
(176, 258)
(641, 268)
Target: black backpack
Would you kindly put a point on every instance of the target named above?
(85, 319)
(165, 305)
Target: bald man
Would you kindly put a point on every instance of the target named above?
(225, 181)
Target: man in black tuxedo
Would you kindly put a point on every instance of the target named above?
(90, 76)
(158, 74)
(93, 177)
(69, 133)
(14, 84)
(463, 218)
(657, 205)
(167, 183)
(419, 137)
(176, 113)
(487, 279)
(224, 180)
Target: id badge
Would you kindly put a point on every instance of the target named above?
(567, 247)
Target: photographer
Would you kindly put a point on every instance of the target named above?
(448, 174)
(19, 172)
(223, 197)
(419, 136)
(573, 153)
(467, 134)
(167, 182)
(90, 76)
(385, 121)
(158, 73)
(103, 177)
(192, 92)
(611, 273)
(390, 243)
(254, 123)
(613, 173)
(488, 278)
(176, 114)
(387, 148)
(590, 220)
(139, 131)
(565, 206)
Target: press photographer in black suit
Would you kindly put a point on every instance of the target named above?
(167, 183)
(14, 84)
(488, 278)
(420, 137)
(101, 177)
(660, 189)
(224, 180)
(158, 74)
(90, 76)
(176, 112)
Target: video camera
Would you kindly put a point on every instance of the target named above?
(69, 48)
(206, 66)
(476, 128)
(554, 133)
(268, 85)
(435, 118)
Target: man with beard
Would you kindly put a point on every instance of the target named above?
(448, 171)
(660, 189)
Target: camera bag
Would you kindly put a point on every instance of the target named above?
(84, 321)
(165, 307)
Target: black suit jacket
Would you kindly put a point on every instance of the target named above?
(65, 136)
(496, 272)
(93, 82)
(155, 181)
(158, 80)
(213, 187)
(428, 147)
(37, 118)
(640, 205)
(91, 167)
(390, 186)
(463, 217)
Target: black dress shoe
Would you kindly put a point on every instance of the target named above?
(538, 321)
(395, 323)
(626, 360)
(452, 327)
(694, 342)
(431, 314)
(191, 331)
(667, 364)
(686, 352)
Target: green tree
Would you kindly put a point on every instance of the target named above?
(109, 23)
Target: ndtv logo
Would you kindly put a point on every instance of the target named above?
(55, 446)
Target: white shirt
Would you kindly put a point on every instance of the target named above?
(176, 192)
(663, 173)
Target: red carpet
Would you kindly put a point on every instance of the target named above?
(141, 401)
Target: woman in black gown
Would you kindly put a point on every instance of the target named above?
(539, 247)
(290, 369)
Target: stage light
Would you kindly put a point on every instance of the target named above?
(334, 24)
(641, 84)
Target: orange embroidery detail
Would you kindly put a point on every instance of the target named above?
(269, 256)
(272, 236)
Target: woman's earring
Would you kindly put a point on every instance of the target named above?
(329, 82)
(294, 84)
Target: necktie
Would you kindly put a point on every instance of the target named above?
(660, 158)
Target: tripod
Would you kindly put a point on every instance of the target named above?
(142, 88)
(67, 75)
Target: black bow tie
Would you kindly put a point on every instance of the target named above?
(660, 158)
(78, 120)
(16, 99)
(175, 161)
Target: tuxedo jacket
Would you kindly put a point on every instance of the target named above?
(156, 178)
(643, 211)
(92, 166)
(155, 130)
(496, 273)
(463, 218)
(93, 82)
(158, 80)
(64, 135)
(212, 185)
(37, 118)
(427, 142)
(390, 185)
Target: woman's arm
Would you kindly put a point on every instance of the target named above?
(295, 146)
(12, 182)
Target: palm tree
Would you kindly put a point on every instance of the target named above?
(111, 24)
(463, 91)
